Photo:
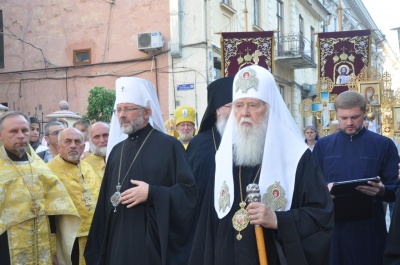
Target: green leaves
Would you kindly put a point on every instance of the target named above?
(101, 103)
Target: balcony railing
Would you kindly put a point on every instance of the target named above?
(296, 48)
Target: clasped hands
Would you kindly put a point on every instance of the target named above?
(135, 195)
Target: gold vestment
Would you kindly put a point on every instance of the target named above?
(97, 162)
(71, 176)
(24, 184)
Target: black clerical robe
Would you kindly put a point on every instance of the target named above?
(201, 152)
(303, 235)
(392, 248)
(159, 231)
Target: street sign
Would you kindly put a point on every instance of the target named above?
(183, 87)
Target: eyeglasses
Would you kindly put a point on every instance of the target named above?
(126, 110)
(54, 133)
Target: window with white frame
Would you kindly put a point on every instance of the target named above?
(279, 24)
(256, 4)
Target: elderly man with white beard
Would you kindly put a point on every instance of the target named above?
(98, 138)
(262, 145)
(202, 148)
(185, 118)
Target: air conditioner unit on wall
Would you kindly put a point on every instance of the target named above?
(150, 41)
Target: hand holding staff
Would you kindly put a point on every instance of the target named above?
(253, 195)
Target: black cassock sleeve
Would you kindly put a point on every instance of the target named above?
(97, 232)
(305, 231)
(392, 247)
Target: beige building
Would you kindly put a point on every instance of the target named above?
(59, 50)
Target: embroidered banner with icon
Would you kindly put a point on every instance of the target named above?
(240, 49)
(342, 55)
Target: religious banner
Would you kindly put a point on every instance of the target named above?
(240, 49)
(342, 55)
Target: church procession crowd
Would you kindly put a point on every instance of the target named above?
(246, 187)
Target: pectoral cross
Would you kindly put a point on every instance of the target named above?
(86, 198)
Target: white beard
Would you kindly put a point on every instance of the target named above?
(221, 123)
(249, 143)
(99, 151)
(186, 137)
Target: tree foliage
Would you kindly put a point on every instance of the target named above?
(101, 103)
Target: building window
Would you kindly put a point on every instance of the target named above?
(301, 33)
(226, 2)
(217, 68)
(282, 91)
(312, 30)
(335, 24)
(301, 25)
(279, 25)
(1, 41)
(256, 12)
(82, 57)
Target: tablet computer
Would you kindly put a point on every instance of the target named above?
(349, 203)
(344, 187)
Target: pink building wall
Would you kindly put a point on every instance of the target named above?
(40, 37)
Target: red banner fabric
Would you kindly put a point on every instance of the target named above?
(240, 49)
(342, 54)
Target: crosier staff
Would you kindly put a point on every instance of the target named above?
(253, 195)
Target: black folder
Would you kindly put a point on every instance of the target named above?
(349, 203)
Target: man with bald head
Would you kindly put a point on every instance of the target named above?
(147, 208)
(98, 138)
(262, 152)
(38, 220)
(81, 182)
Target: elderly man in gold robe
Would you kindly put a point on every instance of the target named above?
(81, 182)
(98, 138)
(185, 124)
(38, 220)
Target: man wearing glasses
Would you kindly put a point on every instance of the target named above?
(147, 207)
(51, 131)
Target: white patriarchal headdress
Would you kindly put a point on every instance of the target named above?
(136, 91)
(284, 143)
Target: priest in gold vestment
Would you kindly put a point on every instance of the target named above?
(38, 220)
(98, 139)
(81, 182)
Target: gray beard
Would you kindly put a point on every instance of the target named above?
(20, 150)
(248, 149)
(137, 125)
(74, 158)
(99, 151)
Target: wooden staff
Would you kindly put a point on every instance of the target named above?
(253, 195)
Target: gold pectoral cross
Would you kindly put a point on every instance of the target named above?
(86, 198)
